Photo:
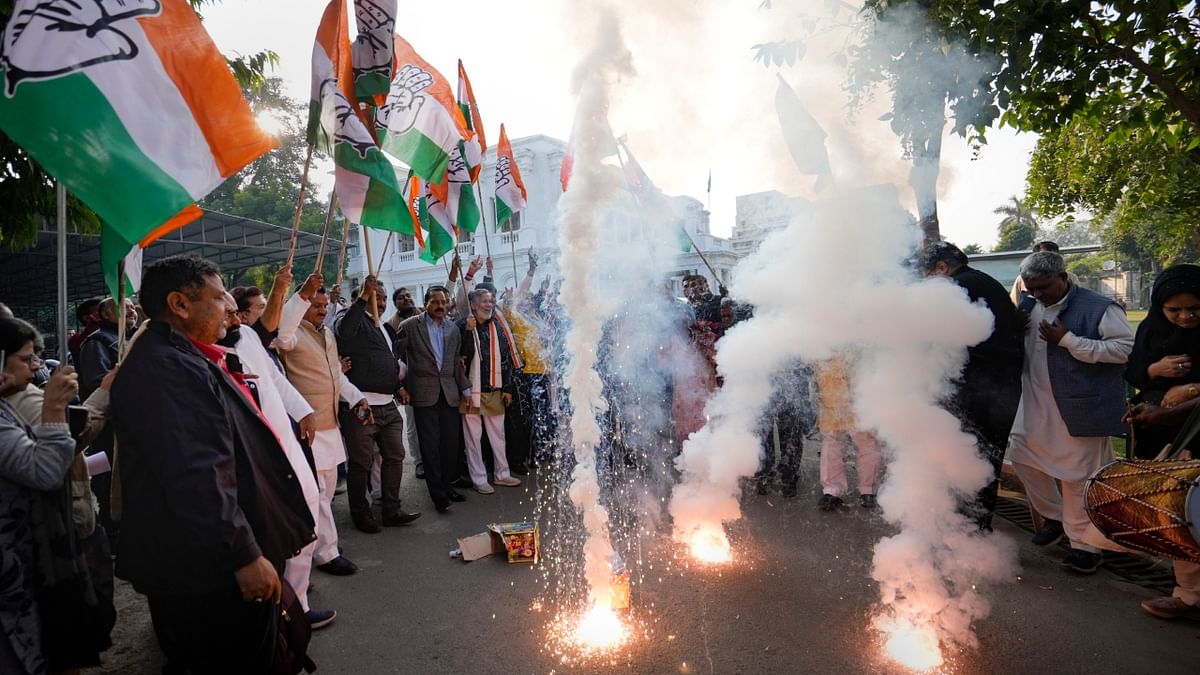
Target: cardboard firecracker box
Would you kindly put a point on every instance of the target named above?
(619, 589)
(522, 541)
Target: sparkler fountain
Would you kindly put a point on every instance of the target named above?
(592, 187)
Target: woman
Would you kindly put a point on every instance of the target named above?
(1165, 352)
(32, 460)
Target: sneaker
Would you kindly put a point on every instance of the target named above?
(1051, 533)
(1169, 607)
(829, 502)
(339, 567)
(484, 489)
(1084, 562)
(868, 501)
(319, 618)
(508, 482)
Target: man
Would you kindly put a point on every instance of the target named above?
(309, 353)
(434, 384)
(1072, 400)
(985, 398)
(489, 349)
(376, 371)
(212, 508)
(89, 321)
(97, 356)
(1018, 292)
(706, 305)
(98, 353)
(281, 404)
(405, 309)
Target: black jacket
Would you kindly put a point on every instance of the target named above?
(373, 365)
(206, 488)
(97, 356)
(507, 372)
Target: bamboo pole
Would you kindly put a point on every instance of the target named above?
(61, 270)
(383, 254)
(483, 216)
(333, 198)
(374, 290)
(341, 274)
(299, 204)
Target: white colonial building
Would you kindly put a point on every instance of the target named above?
(539, 158)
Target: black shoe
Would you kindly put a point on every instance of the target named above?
(441, 507)
(519, 470)
(367, 524)
(789, 491)
(420, 473)
(456, 496)
(1051, 533)
(464, 483)
(339, 567)
(319, 618)
(399, 518)
(762, 488)
(1084, 562)
(868, 501)
(829, 502)
(340, 488)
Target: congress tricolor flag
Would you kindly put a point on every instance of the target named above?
(130, 105)
(421, 121)
(510, 189)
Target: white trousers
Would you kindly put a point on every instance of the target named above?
(1187, 575)
(1064, 501)
(833, 462)
(412, 447)
(473, 426)
(327, 536)
(297, 570)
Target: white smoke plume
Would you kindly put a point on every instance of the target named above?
(593, 186)
(835, 279)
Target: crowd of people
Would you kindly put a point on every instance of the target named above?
(205, 459)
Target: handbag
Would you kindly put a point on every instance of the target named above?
(292, 633)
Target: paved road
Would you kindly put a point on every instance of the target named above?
(799, 602)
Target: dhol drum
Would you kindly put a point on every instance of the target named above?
(1148, 505)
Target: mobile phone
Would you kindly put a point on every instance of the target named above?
(77, 419)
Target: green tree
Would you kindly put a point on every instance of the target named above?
(1019, 228)
(973, 249)
(27, 192)
(1146, 191)
(267, 189)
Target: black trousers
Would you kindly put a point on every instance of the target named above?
(792, 426)
(987, 411)
(388, 433)
(518, 425)
(214, 633)
(439, 432)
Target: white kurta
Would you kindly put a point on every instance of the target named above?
(1039, 435)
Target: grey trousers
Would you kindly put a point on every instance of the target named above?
(388, 433)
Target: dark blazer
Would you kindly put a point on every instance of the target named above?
(373, 364)
(424, 380)
(206, 487)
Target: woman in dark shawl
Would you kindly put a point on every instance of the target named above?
(1165, 362)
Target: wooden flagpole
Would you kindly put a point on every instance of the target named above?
(371, 272)
(512, 243)
(483, 216)
(333, 198)
(121, 318)
(342, 256)
(383, 254)
(299, 204)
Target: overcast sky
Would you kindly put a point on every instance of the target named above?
(699, 100)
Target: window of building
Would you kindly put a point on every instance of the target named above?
(407, 243)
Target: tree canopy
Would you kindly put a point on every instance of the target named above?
(27, 192)
(1019, 228)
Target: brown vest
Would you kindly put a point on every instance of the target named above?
(313, 369)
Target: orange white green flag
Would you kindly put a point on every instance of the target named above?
(470, 112)
(420, 121)
(368, 189)
(131, 106)
(372, 49)
(440, 236)
(510, 189)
